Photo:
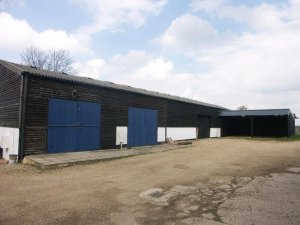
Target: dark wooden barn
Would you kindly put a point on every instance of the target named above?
(56, 112)
(259, 123)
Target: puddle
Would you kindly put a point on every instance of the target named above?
(294, 169)
(201, 200)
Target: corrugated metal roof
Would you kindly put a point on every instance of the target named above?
(262, 112)
(18, 68)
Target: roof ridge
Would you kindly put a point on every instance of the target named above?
(101, 83)
(14, 65)
(256, 112)
(260, 109)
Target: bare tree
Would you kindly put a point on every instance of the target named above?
(242, 107)
(53, 60)
(33, 56)
(60, 60)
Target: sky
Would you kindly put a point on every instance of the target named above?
(224, 52)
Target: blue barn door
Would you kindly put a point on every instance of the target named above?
(88, 126)
(73, 126)
(142, 127)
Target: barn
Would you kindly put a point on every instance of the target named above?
(51, 112)
(258, 123)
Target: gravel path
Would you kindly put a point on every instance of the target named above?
(215, 181)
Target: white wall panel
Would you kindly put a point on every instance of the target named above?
(121, 135)
(176, 133)
(182, 133)
(161, 134)
(9, 141)
(215, 132)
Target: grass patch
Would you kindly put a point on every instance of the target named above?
(292, 138)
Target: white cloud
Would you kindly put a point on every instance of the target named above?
(110, 14)
(16, 35)
(262, 17)
(10, 3)
(207, 5)
(257, 67)
(58, 39)
(94, 68)
(250, 74)
(155, 70)
(189, 33)
(295, 9)
(141, 70)
(127, 63)
(116, 69)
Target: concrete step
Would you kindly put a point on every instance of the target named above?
(59, 160)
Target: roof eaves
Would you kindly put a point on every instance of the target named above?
(22, 69)
(125, 88)
(263, 112)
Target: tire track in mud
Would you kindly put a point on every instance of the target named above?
(174, 204)
(183, 205)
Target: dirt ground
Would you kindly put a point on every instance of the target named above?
(213, 182)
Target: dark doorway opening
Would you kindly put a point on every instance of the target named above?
(203, 126)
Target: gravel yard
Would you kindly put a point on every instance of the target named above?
(215, 181)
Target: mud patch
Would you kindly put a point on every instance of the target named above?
(181, 166)
(180, 202)
(294, 169)
(257, 203)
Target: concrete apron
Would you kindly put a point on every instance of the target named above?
(58, 160)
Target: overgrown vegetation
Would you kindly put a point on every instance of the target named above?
(292, 138)
(297, 130)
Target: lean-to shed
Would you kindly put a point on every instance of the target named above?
(259, 123)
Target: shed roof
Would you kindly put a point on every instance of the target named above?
(258, 112)
(19, 69)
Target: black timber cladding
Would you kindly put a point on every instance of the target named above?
(10, 90)
(115, 100)
(114, 109)
(259, 123)
(182, 114)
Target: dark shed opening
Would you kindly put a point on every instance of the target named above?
(258, 123)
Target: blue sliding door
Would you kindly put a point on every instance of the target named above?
(73, 126)
(142, 127)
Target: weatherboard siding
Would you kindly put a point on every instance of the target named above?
(10, 88)
(181, 114)
(115, 104)
(291, 125)
(114, 109)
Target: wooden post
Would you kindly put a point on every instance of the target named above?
(288, 126)
(251, 126)
(166, 134)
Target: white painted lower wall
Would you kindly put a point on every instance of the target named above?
(176, 133)
(182, 133)
(215, 132)
(161, 134)
(9, 141)
(121, 135)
